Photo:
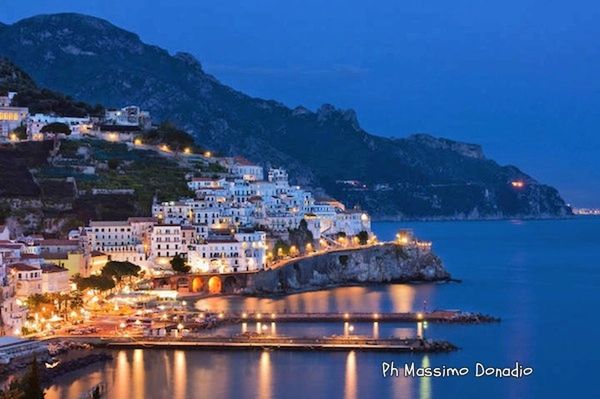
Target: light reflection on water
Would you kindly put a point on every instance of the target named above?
(351, 379)
(531, 274)
(265, 379)
(391, 298)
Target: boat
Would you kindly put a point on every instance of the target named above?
(53, 363)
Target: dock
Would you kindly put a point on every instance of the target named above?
(437, 316)
(286, 343)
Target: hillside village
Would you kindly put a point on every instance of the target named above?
(237, 218)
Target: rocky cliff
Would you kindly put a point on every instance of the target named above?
(380, 264)
(416, 177)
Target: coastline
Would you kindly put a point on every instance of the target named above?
(385, 263)
(398, 219)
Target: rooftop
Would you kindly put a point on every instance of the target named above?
(22, 267)
(50, 268)
(58, 242)
(111, 223)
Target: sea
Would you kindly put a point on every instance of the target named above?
(542, 278)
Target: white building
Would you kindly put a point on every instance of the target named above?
(128, 116)
(4, 233)
(55, 279)
(36, 122)
(197, 183)
(242, 168)
(123, 240)
(6, 101)
(166, 241)
(28, 279)
(243, 252)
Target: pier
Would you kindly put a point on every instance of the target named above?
(437, 316)
(249, 342)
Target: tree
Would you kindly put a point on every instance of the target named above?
(30, 384)
(56, 128)
(281, 248)
(167, 133)
(14, 391)
(95, 282)
(363, 237)
(35, 300)
(21, 132)
(118, 270)
(301, 235)
(113, 163)
(178, 264)
(5, 212)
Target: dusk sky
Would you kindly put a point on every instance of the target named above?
(520, 77)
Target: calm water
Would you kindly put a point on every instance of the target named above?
(541, 277)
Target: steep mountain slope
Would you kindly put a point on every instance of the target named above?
(421, 176)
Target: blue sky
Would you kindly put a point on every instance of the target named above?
(519, 77)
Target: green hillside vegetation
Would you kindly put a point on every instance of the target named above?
(40, 100)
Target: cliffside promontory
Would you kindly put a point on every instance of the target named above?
(383, 263)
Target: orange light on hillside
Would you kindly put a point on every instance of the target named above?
(137, 142)
(187, 150)
(207, 154)
(517, 183)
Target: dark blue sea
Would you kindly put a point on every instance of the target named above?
(541, 277)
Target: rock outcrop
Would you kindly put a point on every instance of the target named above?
(379, 264)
